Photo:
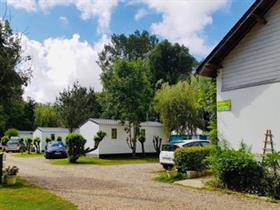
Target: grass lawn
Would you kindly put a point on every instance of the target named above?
(26, 155)
(168, 176)
(107, 161)
(25, 196)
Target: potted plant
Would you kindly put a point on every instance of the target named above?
(10, 175)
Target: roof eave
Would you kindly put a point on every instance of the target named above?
(254, 14)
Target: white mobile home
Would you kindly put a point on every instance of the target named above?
(25, 134)
(46, 132)
(246, 64)
(115, 139)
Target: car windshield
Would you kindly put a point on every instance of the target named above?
(60, 145)
(13, 142)
(168, 147)
(197, 143)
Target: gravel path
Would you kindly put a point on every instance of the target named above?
(125, 187)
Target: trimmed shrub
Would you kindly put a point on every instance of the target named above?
(4, 140)
(59, 138)
(48, 140)
(28, 143)
(191, 158)
(75, 146)
(11, 132)
(36, 143)
(237, 170)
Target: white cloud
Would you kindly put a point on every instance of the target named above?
(140, 14)
(57, 63)
(185, 21)
(102, 9)
(28, 5)
(63, 19)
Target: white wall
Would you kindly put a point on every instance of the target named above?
(37, 133)
(255, 60)
(24, 135)
(113, 146)
(152, 131)
(88, 131)
(44, 135)
(119, 145)
(253, 110)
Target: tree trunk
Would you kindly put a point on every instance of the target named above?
(143, 148)
(134, 142)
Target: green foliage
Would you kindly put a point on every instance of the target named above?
(182, 106)
(141, 138)
(130, 93)
(75, 146)
(272, 161)
(28, 142)
(11, 132)
(47, 116)
(5, 139)
(26, 196)
(170, 63)
(36, 143)
(53, 137)
(191, 159)
(99, 136)
(48, 140)
(89, 160)
(75, 105)
(212, 110)
(132, 47)
(97, 139)
(169, 176)
(59, 138)
(12, 80)
(237, 170)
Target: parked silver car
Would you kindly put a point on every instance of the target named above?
(14, 145)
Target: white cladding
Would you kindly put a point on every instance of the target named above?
(44, 132)
(249, 78)
(255, 60)
(119, 145)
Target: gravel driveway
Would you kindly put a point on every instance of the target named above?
(125, 187)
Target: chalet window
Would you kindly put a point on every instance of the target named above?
(114, 133)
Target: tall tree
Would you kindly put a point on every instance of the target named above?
(47, 116)
(130, 94)
(183, 106)
(170, 63)
(76, 105)
(29, 115)
(11, 79)
(136, 45)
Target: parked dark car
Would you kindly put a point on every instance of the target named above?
(55, 149)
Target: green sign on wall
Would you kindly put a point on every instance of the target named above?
(224, 105)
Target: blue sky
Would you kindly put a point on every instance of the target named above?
(64, 36)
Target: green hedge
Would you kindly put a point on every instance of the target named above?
(191, 158)
(237, 170)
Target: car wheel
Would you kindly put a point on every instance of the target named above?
(47, 156)
(167, 167)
